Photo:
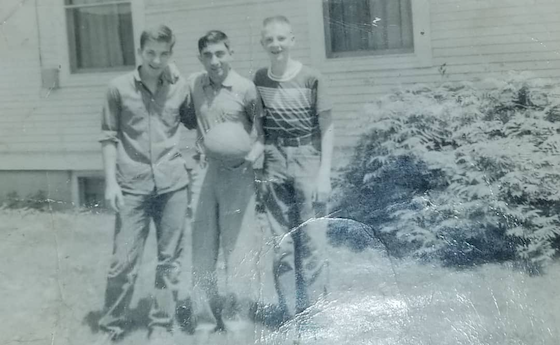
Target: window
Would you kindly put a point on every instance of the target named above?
(91, 192)
(366, 27)
(100, 35)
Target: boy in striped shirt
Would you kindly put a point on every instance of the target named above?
(297, 132)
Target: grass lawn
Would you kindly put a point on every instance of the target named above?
(53, 269)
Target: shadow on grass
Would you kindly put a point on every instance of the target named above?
(138, 318)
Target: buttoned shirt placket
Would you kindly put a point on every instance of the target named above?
(150, 111)
(211, 92)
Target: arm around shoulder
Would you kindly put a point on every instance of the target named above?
(187, 111)
(254, 110)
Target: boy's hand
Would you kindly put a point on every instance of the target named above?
(255, 156)
(202, 162)
(114, 197)
(256, 152)
(322, 188)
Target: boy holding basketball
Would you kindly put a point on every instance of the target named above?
(297, 131)
(225, 105)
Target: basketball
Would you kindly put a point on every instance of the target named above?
(227, 141)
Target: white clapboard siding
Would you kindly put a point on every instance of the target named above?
(474, 39)
(240, 20)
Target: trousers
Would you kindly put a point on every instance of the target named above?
(168, 212)
(224, 218)
(299, 238)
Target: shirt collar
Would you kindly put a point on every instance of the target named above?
(228, 82)
(169, 75)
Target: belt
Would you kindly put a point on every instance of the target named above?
(296, 141)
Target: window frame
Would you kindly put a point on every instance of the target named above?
(72, 54)
(336, 55)
(92, 77)
(421, 56)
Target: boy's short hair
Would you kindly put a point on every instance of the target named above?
(213, 37)
(159, 33)
(276, 19)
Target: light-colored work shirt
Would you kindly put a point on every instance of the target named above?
(235, 100)
(146, 128)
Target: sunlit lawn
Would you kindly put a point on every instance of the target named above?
(53, 266)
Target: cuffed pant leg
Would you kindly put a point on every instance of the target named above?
(311, 263)
(278, 199)
(131, 231)
(239, 234)
(311, 242)
(169, 214)
(205, 245)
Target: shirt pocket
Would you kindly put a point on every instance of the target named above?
(170, 115)
(133, 118)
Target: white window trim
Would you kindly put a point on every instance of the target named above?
(69, 79)
(422, 56)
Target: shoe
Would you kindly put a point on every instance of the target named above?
(109, 337)
(185, 318)
(220, 327)
(271, 316)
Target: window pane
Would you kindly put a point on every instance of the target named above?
(100, 36)
(368, 25)
(92, 192)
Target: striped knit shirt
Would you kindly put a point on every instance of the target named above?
(291, 105)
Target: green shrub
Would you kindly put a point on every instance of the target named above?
(460, 172)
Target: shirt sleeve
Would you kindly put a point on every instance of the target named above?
(322, 99)
(186, 111)
(110, 116)
(253, 103)
(259, 110)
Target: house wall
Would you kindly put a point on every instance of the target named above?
(56, 185)
(56, 129)
(474, 39)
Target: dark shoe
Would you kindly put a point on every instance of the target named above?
(220, 328)
(271, 316)
(185, 317)
(109, 336)
(217, 307)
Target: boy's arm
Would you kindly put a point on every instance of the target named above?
(109, 141)
(254, 110)
(257, 150)
(113, 193)
(326, 127)
(187, 113)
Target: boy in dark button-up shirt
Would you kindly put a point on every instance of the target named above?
(146, 179)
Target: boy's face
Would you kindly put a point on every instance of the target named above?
(216, 58)
(154, 57)
(277, 39)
